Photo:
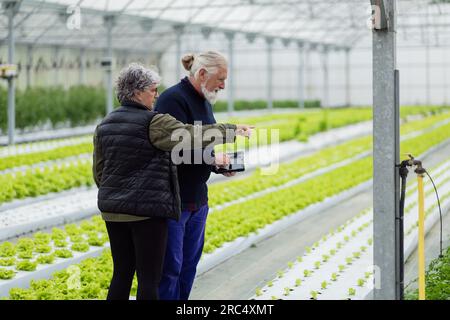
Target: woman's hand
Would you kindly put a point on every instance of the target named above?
(222, 160)
(244, 130)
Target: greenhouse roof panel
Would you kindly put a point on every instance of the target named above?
(340, 23)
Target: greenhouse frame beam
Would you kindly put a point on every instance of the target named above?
(58, 7)
(301, 27)
(241, 4)
(388, 238)
(74, 46)
(11, 9)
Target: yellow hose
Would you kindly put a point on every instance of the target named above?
(421, 246)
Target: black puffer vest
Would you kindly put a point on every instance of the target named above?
(137, 178)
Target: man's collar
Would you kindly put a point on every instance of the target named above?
(186, 81)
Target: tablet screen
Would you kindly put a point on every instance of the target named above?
(236, 162)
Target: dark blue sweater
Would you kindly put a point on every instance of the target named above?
(185, 104)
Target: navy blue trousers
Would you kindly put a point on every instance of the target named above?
(184, 248)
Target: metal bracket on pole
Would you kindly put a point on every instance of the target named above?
(147, 25)
(12, 6)
(206, 32)
(251, 37)
(286, 42)
(380, 17)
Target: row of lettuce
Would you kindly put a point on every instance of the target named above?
(290, 126)
(76, 173)
(223, 226)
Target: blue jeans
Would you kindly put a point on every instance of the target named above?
(184, 248)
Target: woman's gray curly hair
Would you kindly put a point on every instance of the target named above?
(135, 77)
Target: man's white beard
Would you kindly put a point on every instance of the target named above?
(211, 96)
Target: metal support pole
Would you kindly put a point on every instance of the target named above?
(347, 78)
(427, 58)
(301, 75)
(179, 29)
(427, 72)
(387, 222)
(56, 65)
(11, 8)
(269, 42)
(29, 65)
(82, 68)
(230, 89)
(444, 51)
(109, 23)
(326, 85)
(307, 71)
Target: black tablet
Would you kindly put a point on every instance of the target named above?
(236, 163)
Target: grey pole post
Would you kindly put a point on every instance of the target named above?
(326, 88)
(444, 51)
(269, 42)
(29, 65)
(386, 223)
(179, 29)
(348, 93)
(307, 71)
(56, 65)
(82, 69)
(427, 72)
(11, 8)
(230, 87)
(301, 75)
(109, 23)
(427, 59)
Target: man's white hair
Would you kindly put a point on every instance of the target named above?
(211, 61)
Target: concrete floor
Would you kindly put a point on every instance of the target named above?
(238, 277)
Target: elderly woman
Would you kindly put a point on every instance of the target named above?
(137, 181)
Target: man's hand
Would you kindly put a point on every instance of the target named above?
(244, 130)
(221, 160)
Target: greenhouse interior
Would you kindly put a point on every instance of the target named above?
(332, 181)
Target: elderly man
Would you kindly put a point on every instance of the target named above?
(191, 101)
